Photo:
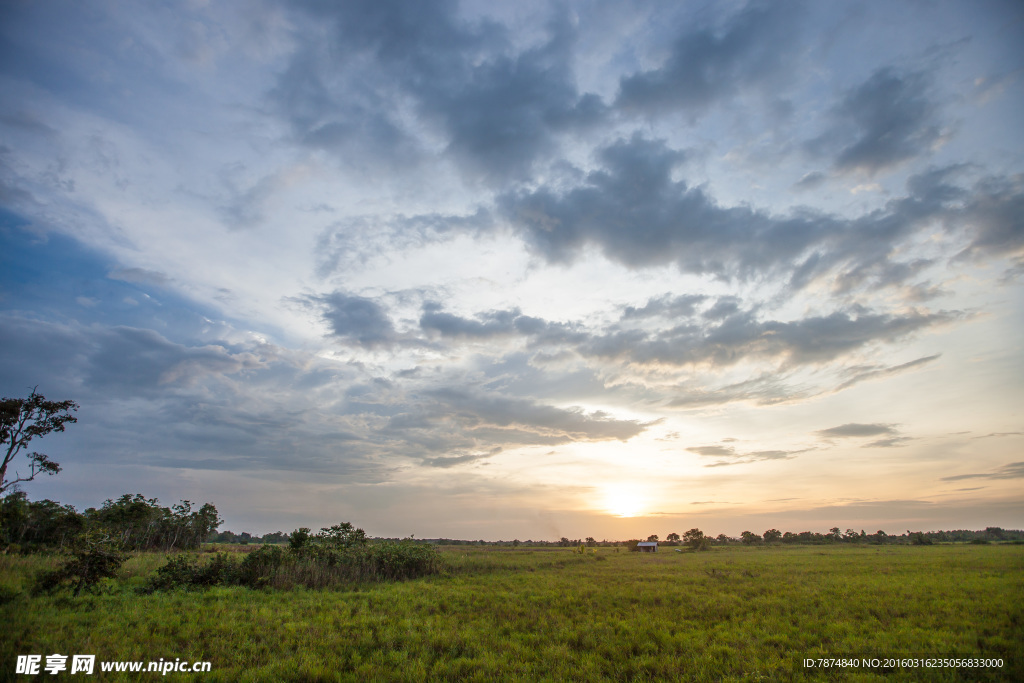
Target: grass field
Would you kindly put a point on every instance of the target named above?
(547, 614)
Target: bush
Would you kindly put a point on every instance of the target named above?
(336, 557)
(184, 571)
(94, 556)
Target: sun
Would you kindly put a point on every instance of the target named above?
(623, 500)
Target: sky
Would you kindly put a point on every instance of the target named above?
(521, 270)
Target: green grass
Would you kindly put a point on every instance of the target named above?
(531, 614)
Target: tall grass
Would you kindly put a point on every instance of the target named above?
(727, 614)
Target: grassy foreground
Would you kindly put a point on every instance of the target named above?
(531, 614)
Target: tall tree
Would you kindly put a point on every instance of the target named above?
(24, 419)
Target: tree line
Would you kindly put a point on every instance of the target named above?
(133, 521)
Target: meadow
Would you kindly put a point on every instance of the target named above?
(733, 613)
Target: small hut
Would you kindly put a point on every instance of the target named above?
(647, 547)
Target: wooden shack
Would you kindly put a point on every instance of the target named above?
(647, 547)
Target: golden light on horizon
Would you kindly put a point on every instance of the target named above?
(623, 500)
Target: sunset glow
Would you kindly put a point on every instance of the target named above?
(494, 270)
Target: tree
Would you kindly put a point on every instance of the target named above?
(695, 539)
(653, 538)
(23, 419)
(342, 535)
(750, 538)
(772, 536)
(672, 538)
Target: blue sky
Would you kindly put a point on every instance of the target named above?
(495, 270)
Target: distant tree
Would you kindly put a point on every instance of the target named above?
(342, 535)
(37, 524)
(835, 534)
(299, 538)
(653, 538)
(749, 537)
(723, 539)
(275, 537)
(24, 419)
(591, 541)
(772, 536)
(696, 539)
(919, 538)
(672, 538)
(850, 536)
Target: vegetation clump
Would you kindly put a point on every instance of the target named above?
(337, 556)
(95, 555)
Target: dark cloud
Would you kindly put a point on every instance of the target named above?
(742, 336)
(1013, 470)
(130, 360)
(721, 337)
(710, 63)
(357, 319)
(885, 121)
(668, 306)
(499, 109)
(854, 429)
(994, 216)
(636, 213)
(488, 325)
(639, 216)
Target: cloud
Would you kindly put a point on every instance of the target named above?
(1013, 470)
(708, 64)
(894, 442)
(491, 324)
(855, 430)
(885, 121)
(130, 360)
(742, 336)
(810, 181)
(682, 306)
(498, 109)
(635, 212)
(356, 319)
(994, 216)
(713, 450)
(735, 458)
(140, 276)
(862, 374)
(489, 411)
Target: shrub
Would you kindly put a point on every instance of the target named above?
(336, 557)
(95, 556)
(184, 571)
